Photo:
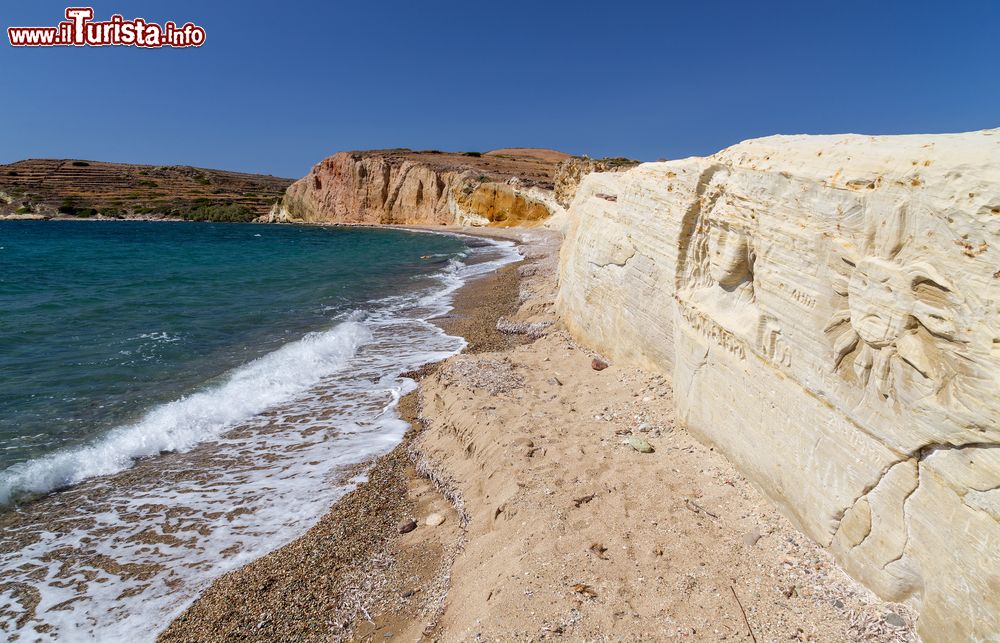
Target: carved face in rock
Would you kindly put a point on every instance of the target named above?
(728, 256)
(893, 314)
(877, 298)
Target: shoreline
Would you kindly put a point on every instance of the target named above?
(159, 525)
(366, 561)
(555, 524)
(98, 217)
(442, 283)
(536, 514)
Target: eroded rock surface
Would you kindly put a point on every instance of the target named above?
(570, 172)
(828, 309)
(499, 188)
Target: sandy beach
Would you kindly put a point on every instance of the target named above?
(573, 507)
(671, 322)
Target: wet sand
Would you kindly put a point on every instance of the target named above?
(121, 555)
(354, 574)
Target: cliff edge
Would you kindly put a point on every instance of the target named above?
(827, 307)
(500, 188)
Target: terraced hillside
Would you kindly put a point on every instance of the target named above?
(52, 187)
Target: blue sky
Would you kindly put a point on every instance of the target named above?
(278, 86)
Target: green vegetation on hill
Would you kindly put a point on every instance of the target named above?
(618, 161)
(232, 212)
(51, 187)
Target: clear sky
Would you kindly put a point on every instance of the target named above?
(280, 85)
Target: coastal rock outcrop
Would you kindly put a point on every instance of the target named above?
(828, 309)
(570, 172)
(499, 188)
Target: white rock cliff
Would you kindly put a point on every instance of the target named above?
(829, 310)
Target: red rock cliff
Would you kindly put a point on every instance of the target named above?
(501, 188)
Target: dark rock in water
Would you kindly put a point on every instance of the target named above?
(598, 364)
(407, 526)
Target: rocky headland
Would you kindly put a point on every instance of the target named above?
(521, 187)
(502, 187)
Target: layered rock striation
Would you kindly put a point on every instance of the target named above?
(570, 172)
(499, 188)
(829, 310)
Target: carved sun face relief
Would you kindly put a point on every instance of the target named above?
(892, 315)
(873, 294)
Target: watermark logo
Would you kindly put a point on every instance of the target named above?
(80, 30)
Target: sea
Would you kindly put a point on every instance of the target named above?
(178, 399)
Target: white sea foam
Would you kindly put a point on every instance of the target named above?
(179, 425)
(160, 337)
(303, 413)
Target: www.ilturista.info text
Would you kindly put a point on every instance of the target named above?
(80, 30)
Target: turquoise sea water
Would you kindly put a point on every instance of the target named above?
(102, 321)
(182, 398)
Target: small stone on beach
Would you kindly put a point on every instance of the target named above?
(639, 444)
(407, 526)
(598, 364)
(434, 520)
(894, 619)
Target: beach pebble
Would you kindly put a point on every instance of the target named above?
(643, 427)
(524, 445)
(598, 364)
(640, 444)
(434, 520)
(894, 619)
(407, 526)
(751, 538)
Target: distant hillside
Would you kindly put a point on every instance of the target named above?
(51, 187)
